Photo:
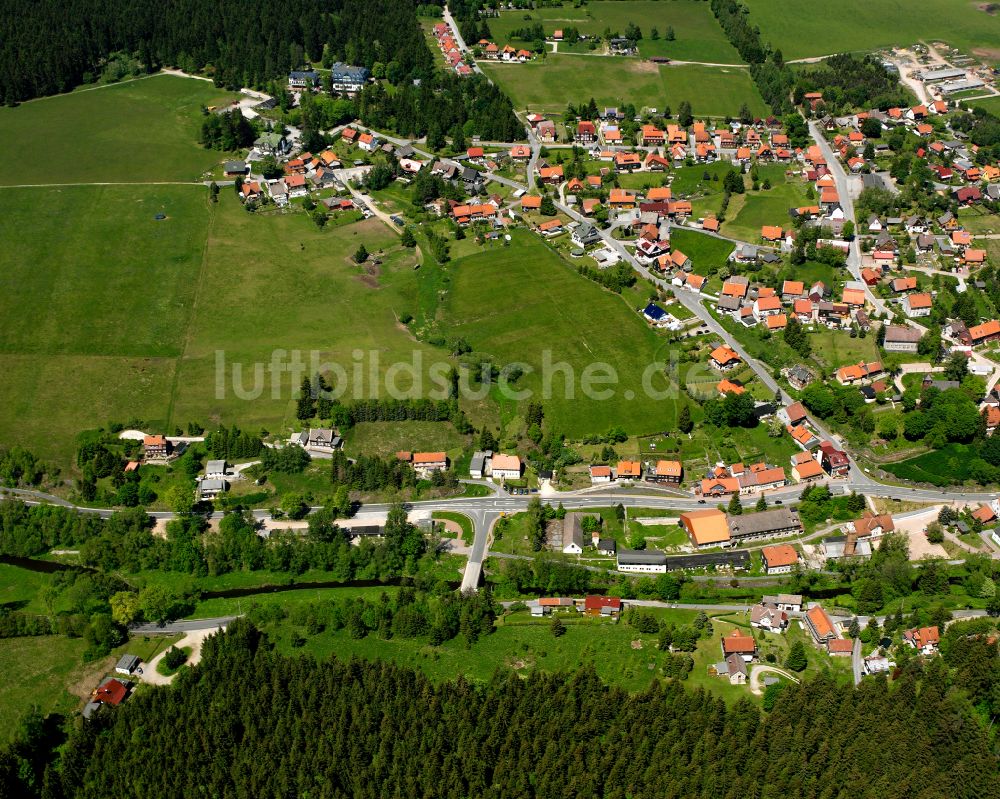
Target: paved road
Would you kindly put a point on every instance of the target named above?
(183, 626)
(856, 662)
(457, 36)
(847, 203)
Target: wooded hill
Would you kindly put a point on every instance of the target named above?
(249, 722)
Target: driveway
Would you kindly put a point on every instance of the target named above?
(757, 672)
(193, 639)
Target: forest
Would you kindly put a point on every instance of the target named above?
(248, 721)
(249, 43)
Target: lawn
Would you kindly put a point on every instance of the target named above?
(765, 207)
(47, 673)
(712, 91)
(132, 132)
(707, 253)
(386, 438)
(698, 36)
(859, 25)
(991, 104)
(836, 348)
(550, 84)
(523, 303)
(97, 297)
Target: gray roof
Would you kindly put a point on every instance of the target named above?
(637, 557)
(322, 435)
(478, 462)
(345, 73)
(127, 662)
(235, 166)
(213, 485)
(215, 466)
(607, 545)
(763, 522)
(729, 303)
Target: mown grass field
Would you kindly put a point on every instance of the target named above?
(698, 37)
(812, 28)
(550, 84)
(524, 304)
(991, 104)
(132, 132)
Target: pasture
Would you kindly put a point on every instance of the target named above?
(698, 36)
(133, 132)
(764, 207)
(550, 84)
(525, 304)
(812, 28)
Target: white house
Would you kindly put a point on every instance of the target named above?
(505, 467)
(215, 470)
(479, 465)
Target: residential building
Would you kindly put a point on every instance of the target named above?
(210, 489)
(629, 470)
(127, 664)
(917, 305)
(723, 358)
(571, 541)
(737, 642)
(215, 470)
(820, 625)
(505, 467)
(780, 559)
(788, 602)
(155, 447)
(303, 80)
(806, 469)
(323, 439)
(834, 461)
(666, 472)
(924, 639)
(768, 616)
(602, 606)
(600, 474)
(735, 668)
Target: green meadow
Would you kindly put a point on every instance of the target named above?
(549, 84)
(697, 35)
(133, 132)
(524, 303)
(813, 28)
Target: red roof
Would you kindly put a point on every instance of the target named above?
(113, 692)
(737, 642)
(598, 602)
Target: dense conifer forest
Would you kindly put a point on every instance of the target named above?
(250, 722)
(48, 47)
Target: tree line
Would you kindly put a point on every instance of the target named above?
(372, 729)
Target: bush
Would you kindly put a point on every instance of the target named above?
(174, 658)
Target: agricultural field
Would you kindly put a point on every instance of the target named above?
(525, 304)
(698, 37)
(812, 30)
(133, 132)
(550, 84)
(991, 104)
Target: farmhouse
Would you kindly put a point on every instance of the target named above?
(737, 642)
(723, 358)
(899, 338)
(154, 447)
(429, 462)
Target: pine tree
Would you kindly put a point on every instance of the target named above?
(761, 503)
(735, 507)
(854, 628)
(306, 405)
(796, 660)
(684, 422)
(557, 627)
